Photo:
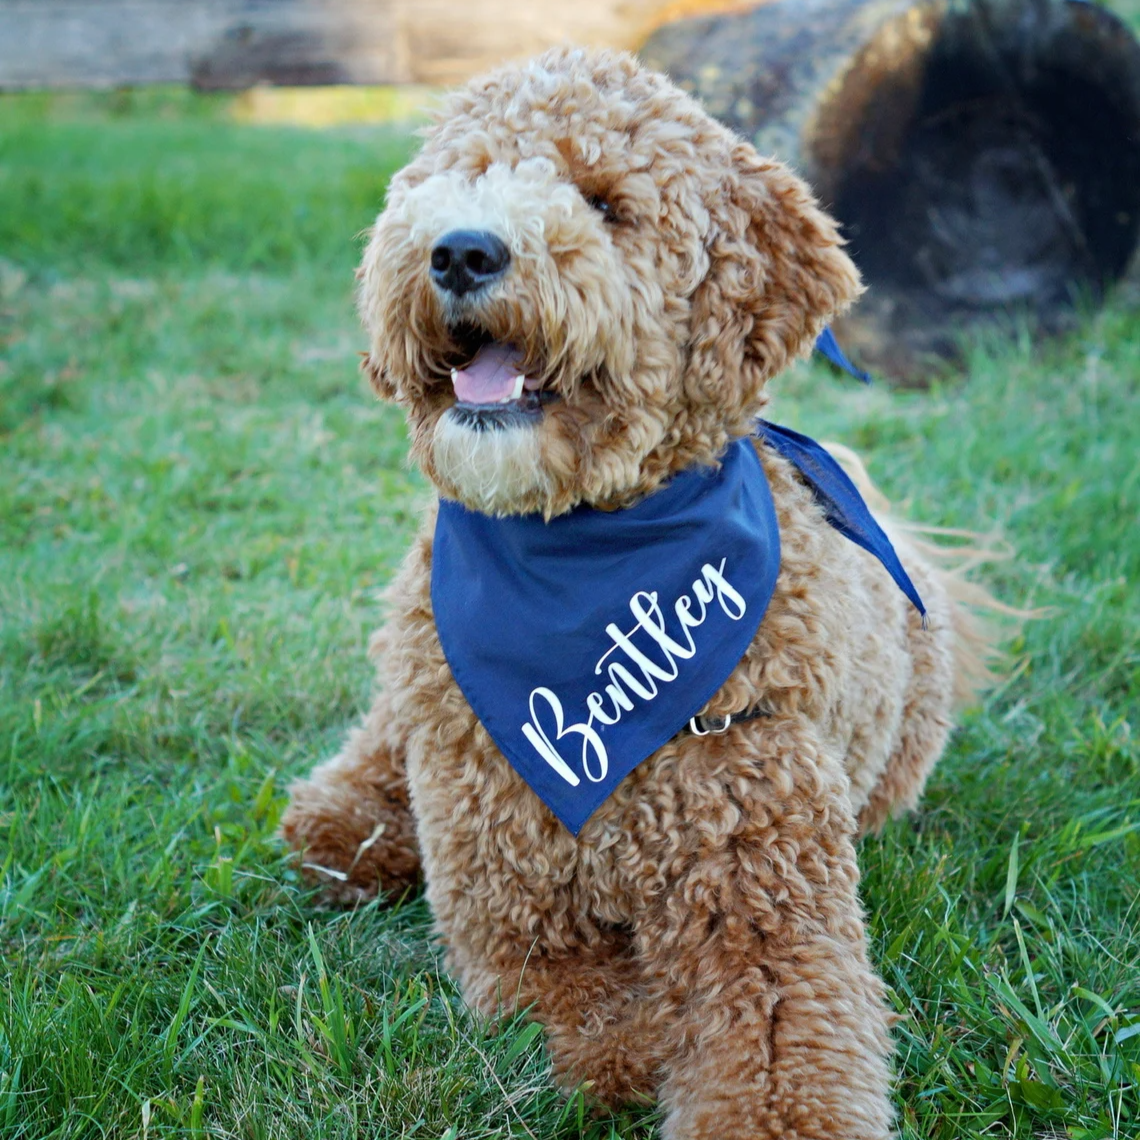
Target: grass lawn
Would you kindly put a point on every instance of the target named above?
(198, 501)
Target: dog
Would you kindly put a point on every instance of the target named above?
(578, 292)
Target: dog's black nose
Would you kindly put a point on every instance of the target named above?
(463, 260)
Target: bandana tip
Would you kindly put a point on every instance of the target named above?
(826, 345)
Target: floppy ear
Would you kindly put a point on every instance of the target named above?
(371, 307)
(777, 275)
(377, 376)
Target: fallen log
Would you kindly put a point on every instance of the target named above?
(982, 155)
(235, 44)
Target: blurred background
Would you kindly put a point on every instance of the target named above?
(982, 155)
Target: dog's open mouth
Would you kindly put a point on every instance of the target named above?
(492, 390)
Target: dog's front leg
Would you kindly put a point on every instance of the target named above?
(505, 899)
(777, 1021)
(600, 1033)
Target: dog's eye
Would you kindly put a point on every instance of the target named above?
(602, 206)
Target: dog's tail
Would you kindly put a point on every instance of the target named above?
(980, 621)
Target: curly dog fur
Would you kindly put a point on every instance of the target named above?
(702, 940)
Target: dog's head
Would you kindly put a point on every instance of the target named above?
(583, 282)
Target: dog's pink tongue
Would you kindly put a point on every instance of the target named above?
(489, 378)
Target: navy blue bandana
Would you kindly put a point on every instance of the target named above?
(585, 643)
(840, 500)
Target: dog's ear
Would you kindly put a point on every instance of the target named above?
(777, 274)
(377, 376)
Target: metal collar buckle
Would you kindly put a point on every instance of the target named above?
(696, 722)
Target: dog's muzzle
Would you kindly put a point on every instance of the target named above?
(492, 392)
(525, 411)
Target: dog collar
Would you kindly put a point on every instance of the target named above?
(585, 643)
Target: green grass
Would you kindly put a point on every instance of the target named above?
(198, 500)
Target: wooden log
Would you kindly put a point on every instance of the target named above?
(239, 43)
(983, 155)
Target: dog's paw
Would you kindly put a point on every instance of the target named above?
(616, 1067)
(351, 847)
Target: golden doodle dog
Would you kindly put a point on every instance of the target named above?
(578, 292)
